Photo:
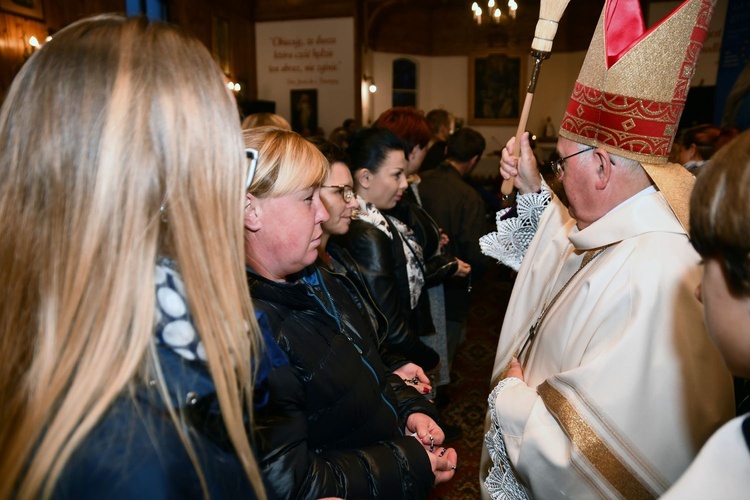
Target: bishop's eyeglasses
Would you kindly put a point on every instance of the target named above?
(557, 165)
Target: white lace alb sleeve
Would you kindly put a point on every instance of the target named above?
(511, 240)
(501, 482)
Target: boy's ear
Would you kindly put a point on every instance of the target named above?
(253, 213)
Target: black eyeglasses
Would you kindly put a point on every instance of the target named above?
(252, 160)
(346, 191)
(557, 165)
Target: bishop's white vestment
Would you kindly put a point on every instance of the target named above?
(622, 383)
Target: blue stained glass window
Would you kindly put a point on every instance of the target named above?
(404, 83)
(153, 9)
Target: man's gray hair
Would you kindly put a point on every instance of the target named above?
(626, 164)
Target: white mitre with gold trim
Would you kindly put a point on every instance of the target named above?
(632, 88)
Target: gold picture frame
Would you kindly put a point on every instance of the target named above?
(27, 8)
(497, 87)
(220, 46)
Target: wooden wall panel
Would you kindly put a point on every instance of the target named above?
(193, 15)
(280, 10)
(446, 28)
(14, 34)
(419, 27)
(15, 30)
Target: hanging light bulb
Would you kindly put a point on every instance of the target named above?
(512, 6)
(34, 42)
(494, 14)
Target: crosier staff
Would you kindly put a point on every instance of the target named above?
(550, 12)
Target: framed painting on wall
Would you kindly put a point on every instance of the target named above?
(304, 111)
(27, 8)
(497, 86)
(220, 44)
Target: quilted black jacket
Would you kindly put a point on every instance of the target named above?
(334, 424)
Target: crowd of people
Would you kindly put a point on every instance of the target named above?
(195, 305)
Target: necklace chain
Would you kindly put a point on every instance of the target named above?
(534, 330)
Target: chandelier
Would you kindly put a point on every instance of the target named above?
(493, 12)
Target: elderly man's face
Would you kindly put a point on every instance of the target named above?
(578, 181)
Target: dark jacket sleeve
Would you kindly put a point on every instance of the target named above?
(398, 468)
(410, 401)
(391, 358)
(371, 249)
(437, 266)
(474, 226)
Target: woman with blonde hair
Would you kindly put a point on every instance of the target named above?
(128, 336)
(256, 120)
(337, 424)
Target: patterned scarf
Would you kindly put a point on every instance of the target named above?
(412, 250)
(175, 330)
(174, 324)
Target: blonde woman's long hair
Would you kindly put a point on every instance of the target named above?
(105, 125)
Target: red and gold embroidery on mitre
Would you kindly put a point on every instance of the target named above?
(633, 84)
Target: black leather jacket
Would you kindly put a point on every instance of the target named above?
(383, 267)
(334, 424)
(345, 269)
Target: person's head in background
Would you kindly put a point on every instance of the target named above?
(442, 124)
(726, 136)
(265, 120)
(378, 166)
(464, 149)
(720, 232)
(411, 127)
(119, 144)
(337, 191)
(697, 144)
(283, 212)
(350, 125)
(340, 137)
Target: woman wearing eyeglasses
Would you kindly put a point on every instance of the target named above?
(385, 248)
(337, 195)
(334, 426)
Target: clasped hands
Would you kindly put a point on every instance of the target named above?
(442, 460)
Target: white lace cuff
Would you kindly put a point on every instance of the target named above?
(511, 240)
(501, 482)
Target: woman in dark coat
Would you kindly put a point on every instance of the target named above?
(337, 195)
(334, 426)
